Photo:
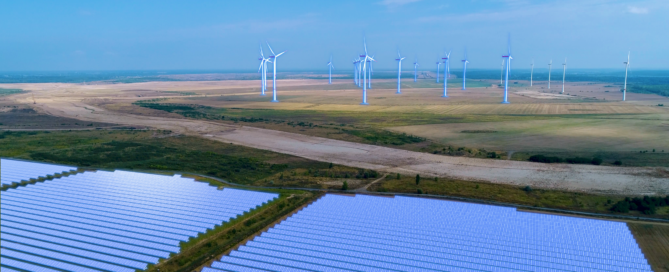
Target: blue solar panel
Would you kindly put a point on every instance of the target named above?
(367, 233)
(24, 266)
(111, 221)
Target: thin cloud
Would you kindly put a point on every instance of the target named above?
(637, 10)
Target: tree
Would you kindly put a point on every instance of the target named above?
(330, 166)
(344, 187)
(417, 179)
(419, 191)
(398, 176)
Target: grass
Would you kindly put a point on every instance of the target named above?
(156, 151)
(196, 252)
(500, 193)
(653, 239)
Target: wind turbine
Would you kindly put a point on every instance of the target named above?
(501, 73)
(415, 70)
(447, 70)
(508, 68)
(438, 64)
(550, 65)
(627, 65)
(399, 71)
(371, 71)
(564, 71)
(364, 74)
(464, 71)
(275, 57)
(331, 67)
(531, 72)
(263, 72)
(355, 72)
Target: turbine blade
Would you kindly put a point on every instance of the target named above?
(270, 48)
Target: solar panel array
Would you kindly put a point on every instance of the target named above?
(367, 233)
(15, 171)
(110, 221)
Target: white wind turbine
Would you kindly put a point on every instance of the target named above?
(438, 64)
(366, 58)
(508, 70)
(550, 65)
(263, 72)
(331, 67)
(501, 73)
(564, 71)
(415, 70)
(531, 72)
(464, 71)
(447, 72)
(371, 71)
(627, 65)
(399, 71)
(274, 57)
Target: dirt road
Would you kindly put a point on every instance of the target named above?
(603, 179)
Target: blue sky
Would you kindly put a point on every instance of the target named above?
(224, 35)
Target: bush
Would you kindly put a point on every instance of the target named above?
(344, 187)
(618, 163)
(417, 179)
(544, 159)
(527, 189)
(419, 191)
(578, 160)
(596, 161)
(645, 205)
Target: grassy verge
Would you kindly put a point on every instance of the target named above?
(205, 247)
(509, 194)
(163, 151)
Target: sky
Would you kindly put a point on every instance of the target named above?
(226, 35)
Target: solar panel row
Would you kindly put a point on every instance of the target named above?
(365, 233)
(110, 221)
(15, 171)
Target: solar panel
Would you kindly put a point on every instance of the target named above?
(367, 233)
(112, 221)
(15, 171)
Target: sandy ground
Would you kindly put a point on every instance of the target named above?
(70, 100)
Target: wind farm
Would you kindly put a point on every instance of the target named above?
(185, 162)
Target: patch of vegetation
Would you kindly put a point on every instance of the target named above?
(4, 92)
(524, 195)
(574, 160)
(385, 137)
(645, 205)
(196, 252)
(151, 150)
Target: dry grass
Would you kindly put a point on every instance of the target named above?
(653, 239)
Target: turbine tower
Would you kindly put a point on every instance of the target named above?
(364, 74)
(331, 67)
(550, 65)
(564, 71)
(274, 57)
(501, 73)
(263, 72)
(371, 71)
(438, 64)
(464, 71)
(399, 71)
(355, 72)
(627, 65)
(415, 70)
(447, 68)
(508, 68)
(531, 72)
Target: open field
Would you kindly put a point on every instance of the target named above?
(113, 103)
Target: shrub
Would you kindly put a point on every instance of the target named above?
(618, 163)
(398, 176)
(596, 161)
(578, 160)
(526, 189)
(344, 187)
(417, 179)
(419, 191)
(544, 159)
